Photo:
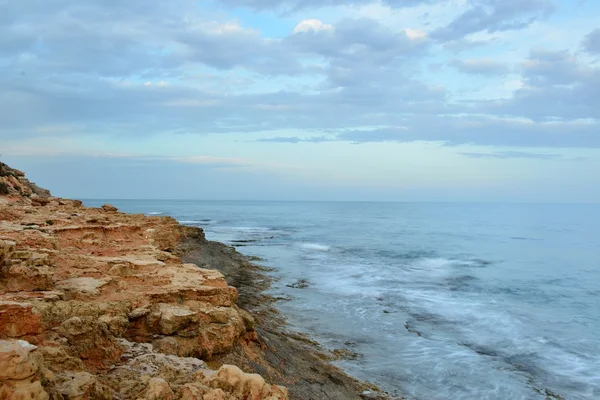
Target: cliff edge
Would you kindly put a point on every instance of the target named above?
(96, 304)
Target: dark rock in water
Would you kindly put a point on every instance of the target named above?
(550, 395)
(345, 354)
(482, 350)
(411, 330)
(299, 284)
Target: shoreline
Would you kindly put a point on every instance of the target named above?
(97, 304)
(282, 356)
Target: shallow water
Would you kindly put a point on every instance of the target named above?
(440, 301)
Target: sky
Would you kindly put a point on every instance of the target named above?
(390, 100)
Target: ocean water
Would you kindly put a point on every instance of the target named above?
(437, 301)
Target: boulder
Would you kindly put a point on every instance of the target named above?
(18, 360)
(158, 389)
(20, 363)
(109, 208)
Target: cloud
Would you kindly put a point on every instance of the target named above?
(470, 130)
(480, 66)
(297, 5)
(313, 25)
(513, 154)
(557, 86)
(492, 16)
(116, 70)
(591, 43)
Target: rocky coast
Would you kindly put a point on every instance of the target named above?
(99, 304)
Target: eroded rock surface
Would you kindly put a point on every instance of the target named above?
(95, 304)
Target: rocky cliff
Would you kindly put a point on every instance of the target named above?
(96, 304)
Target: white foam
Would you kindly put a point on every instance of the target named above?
(155, 213)
(197, 222)
(315, 246)
(433, 263)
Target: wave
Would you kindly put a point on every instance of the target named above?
(197, 222)
(155, 213)
(314, 246)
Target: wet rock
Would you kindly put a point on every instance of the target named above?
(299, 284)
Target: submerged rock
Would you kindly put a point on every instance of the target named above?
(299, 284)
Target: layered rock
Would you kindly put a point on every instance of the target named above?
(95, 304)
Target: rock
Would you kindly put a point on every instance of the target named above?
(234, 381)
(138, 313)
(172, 318)
(82, 285)
(18, 320)
(91, 341)
(109, 208)
(18, 360)
(299, 284)
(40, 201)
(116, 324)
(27, 389)
(20, 277)
(191, 392)
(78, 385)
(158, 389)
(78, 281)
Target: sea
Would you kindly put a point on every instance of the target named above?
(430, 300)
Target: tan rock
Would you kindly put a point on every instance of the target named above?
(78, 385)
(26, 389)
(109, 208)
(21, 277)
(191, 392)
(18, 360)
(171, 318)
(234, 381)
(75, 280)
(158, 389)
(82, 285)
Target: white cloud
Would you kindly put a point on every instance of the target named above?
(415, 34)
(313, 25)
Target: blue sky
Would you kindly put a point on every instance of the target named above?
(397, 100)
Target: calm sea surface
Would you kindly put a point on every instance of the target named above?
(439, 301)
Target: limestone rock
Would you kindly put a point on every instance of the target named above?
(78, 281)
(77, 385)
(109, 208)
(172, 318)
(233, 380)
(20, 362)
(158, 389)
(18, 320)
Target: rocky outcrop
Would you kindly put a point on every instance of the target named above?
(95, 304)
(13, 182)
